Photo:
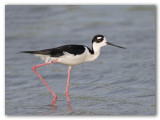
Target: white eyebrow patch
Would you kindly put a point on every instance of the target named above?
(99, 37)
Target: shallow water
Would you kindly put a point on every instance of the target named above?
(119, 82)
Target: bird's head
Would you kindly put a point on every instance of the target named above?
(99, 41)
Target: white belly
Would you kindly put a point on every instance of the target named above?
(71, 59)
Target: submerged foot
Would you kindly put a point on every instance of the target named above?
(54, 101)
(69, 107)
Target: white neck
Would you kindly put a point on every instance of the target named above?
(96, 48)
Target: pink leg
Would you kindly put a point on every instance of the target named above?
(67, 87)
(34, 69)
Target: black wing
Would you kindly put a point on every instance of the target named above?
(59, 51)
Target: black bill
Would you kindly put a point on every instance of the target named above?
(108, 43)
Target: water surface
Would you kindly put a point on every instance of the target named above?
(119, 82)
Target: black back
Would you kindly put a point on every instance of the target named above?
(72, 49)
(59, 51)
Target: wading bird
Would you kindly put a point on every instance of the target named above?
(70, 55)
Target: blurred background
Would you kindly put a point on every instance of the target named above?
(119, 82)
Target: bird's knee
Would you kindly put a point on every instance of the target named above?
(34, 68)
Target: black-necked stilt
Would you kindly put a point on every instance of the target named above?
(70, 55)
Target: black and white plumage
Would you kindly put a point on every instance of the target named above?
(71, 55)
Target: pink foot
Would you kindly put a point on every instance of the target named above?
(67, 95)
(54, 101)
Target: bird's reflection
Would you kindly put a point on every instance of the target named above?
(54, 108)
(69, 105)
(51, 110)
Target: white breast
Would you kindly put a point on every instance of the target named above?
(91, 57)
